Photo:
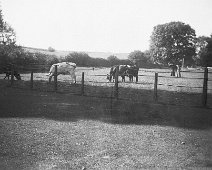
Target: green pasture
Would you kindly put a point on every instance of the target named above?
(186, 90)
(47, 131)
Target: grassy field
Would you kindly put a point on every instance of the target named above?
(186, 90)
(42, 130)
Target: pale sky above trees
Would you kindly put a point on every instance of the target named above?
(100, 25)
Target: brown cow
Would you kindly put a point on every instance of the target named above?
(132, 71)
(122, 72)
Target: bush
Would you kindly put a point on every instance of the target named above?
(51, 49)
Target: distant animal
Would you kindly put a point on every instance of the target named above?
(173, 69)
(9, 73)
(132, 71)
(122, 72)
(64, 68)
(7, 69)
(178, 70)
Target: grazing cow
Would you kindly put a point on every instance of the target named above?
(63, 68)
(132, 71)
(8, 71)
(122, 72)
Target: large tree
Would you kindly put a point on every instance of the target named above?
(201, 43)
(1, 21)
(207, 57)
(113, 60)
(7, 33)
(8, 49)
(139, 58)
(172, 42)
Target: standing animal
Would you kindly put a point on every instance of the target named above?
(178, 70)
(122, 72)
(8, 71)
(132, 71)
(173, 69)
(63, 68)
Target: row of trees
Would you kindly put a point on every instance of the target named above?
(172, 42)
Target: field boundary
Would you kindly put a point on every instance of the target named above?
(114, 91)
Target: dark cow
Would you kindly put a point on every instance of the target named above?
(132, 71)
(8, 71)
(122, 72)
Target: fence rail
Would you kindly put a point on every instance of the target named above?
(116, 87)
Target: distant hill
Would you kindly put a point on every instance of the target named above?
(60, 53)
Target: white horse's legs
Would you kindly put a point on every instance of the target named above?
(73, 77)
(50, 77)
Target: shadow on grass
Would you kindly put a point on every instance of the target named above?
(135, 107)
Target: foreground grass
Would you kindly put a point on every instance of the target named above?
(48, 144)
(40, 130)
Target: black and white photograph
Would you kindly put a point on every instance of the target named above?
(105, 84)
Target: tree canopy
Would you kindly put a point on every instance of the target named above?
(7, 33)
(171, 42)
(201, 43)
(113, 60)
(207, 58)
(136, 56)
(8, 49)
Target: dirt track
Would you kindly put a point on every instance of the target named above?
(43, 130)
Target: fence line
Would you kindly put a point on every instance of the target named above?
(155, 96)
(99, 75)
(143, 75)
(185, 71)
(116, 89)
(183, 77)
(177, 85)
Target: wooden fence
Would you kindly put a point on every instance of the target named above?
(116, 86)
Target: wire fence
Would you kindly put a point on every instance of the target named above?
(188, 89)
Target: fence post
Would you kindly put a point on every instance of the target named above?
(83, 81)
(137, 79)
(31, 81)
(12, 74)
(55, 79)
(116, 82)
(156, 88)
(205, 86)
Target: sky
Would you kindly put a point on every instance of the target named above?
(119, 26)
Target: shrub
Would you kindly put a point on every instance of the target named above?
(51, 49)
